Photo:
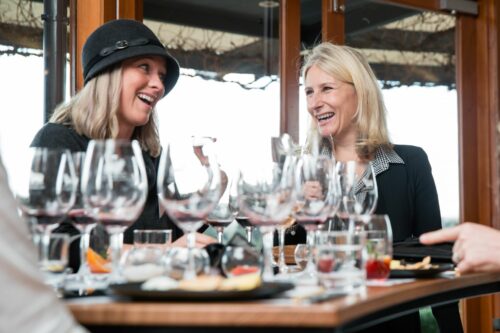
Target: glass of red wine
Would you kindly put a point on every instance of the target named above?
(82, 219)
(46, 192)
(114, 189)
(189, 183)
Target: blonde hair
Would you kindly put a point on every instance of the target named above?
(93, 112)
(348, 65)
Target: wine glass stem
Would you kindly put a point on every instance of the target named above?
(281, 258)
(249, 231)
(311, 241)
(190, 272)
(267, 246)
(220, 233)
(84, 271)
(116, 243)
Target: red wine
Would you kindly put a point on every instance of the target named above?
(219, 223)
(244, 221)
(79, 217)
(43, 219)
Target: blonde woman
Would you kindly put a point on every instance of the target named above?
(126, 72)
(349, 121)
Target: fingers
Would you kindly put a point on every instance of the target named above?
(440, 236)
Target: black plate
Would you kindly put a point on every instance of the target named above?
(421, 273)
(134, 291)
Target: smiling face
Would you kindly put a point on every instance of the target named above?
(331, 103)
(142, 88)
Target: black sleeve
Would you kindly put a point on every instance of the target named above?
(59, 136)
(427, 212)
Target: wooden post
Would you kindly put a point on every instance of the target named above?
(333, 21)
(477, 67)
(88, 15)
(289, 67)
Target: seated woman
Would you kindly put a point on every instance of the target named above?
(126, 71)
(348, 119)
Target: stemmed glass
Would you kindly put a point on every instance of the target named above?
(318, 197)
(266, 196)
(189, 187)
(47, 191)
(223, 214)
(114, 189)
(239, 216)
(358, 186)
(84, 221)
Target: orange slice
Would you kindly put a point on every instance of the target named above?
(97, 264)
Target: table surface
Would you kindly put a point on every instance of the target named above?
(282, 312)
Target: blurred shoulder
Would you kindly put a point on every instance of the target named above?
(53, 135)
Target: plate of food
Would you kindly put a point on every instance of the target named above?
(206, 288)
(420, 270)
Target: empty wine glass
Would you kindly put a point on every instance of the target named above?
(189, 187)
(318, 196)
(266, 196)
(46, 191)
(114, 190)
(358, 186)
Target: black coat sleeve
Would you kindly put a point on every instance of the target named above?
(426, 209)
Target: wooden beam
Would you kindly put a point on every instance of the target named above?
(477, 57)
(333, 21)
(130, 9)
(289, 67)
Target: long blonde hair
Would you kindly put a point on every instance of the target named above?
(93, 112)
(347, 64)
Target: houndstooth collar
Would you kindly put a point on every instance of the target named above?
(383, 157)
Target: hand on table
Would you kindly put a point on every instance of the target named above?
(476, 246)
(201, 241)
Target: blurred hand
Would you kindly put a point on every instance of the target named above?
(475, 249)
(201, 241)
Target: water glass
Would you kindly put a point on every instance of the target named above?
(53, 251)
(340, 261)
(378, 247)
(239, 260)
(146, 258)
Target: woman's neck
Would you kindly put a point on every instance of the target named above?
(344, 148)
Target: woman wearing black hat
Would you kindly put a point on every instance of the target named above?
(126, 72)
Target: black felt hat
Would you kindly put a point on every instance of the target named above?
(119, 40)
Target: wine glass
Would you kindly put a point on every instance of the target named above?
(242, 220)
(359, 190)
(266, 196)
(114, 189)
(224, 213)
(318, 196)
(189, 187)
(46, 192)
(83, 220)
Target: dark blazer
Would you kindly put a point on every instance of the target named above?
(407, 193)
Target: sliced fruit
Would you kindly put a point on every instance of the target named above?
(97, 264)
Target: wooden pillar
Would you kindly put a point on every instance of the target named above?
(333, 21)
(88, 15)
(289, 66)
(477, 68)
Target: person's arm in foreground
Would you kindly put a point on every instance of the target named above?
(476, 246)
(26, 304)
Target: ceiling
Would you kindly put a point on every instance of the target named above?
(365, 28)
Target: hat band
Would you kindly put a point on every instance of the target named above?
(121, 45)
